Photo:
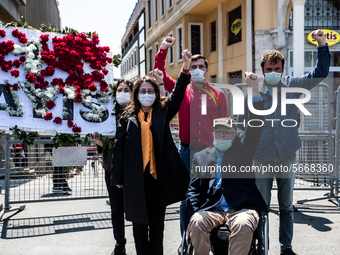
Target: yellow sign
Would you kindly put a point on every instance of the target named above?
(332, 37)
(236, 26)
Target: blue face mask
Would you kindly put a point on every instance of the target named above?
(273, 78)
(222, 145)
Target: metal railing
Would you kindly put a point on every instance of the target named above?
(33, 178)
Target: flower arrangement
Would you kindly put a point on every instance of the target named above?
(41, 57)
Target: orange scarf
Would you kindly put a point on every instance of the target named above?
(147, 142)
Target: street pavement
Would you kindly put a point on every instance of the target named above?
(84, 227)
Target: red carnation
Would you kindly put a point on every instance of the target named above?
(31, 77)
(92, 87)
(58, 120)
(61, 89)
(15, 86)
(22, 59)
(17, 63)
(105, 71)
(15, 33)
(23, 40)
(48, 116)
(70, 123)
(44, 37)
(2, 33)
(50, 104)
(15, 73)
(76, 129)
(104, 89)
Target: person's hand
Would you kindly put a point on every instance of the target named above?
(187, 235)
(120, 186)
(168, 42)
(186, 55)
(96, 137)
(158, 74)
(252, 81)
(320, 37)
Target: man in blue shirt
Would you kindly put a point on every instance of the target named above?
(278, 144)
(213, 199)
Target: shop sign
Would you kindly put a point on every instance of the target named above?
(332, 37)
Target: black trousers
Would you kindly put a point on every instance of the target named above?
(117, 210)
(59, 177)
(149, 237)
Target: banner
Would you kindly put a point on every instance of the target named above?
(54, 83)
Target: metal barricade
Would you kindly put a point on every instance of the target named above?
(33, 178)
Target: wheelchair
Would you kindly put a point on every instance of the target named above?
(219, 238)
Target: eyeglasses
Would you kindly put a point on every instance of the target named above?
(193, 67)
(144, 91)
(224, 132)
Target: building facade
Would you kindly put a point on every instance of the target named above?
(133, 63)
(233, 34)
(35, 11)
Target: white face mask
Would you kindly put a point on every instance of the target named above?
(123, 98)
(273, 78)
(147, 99)
(197, 75)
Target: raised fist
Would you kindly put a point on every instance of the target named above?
(320, 37)
(168, 42)
(186, 55)
(158, 74)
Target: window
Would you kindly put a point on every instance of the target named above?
(213, 35)
(235, 77)
(196, 38)
(213, 78)
(142, 54)
(320, 14)
(135, 54)
(148, 6)
(141, 37)
(162, 8)
(179, 42)
(156, 11)
(141, 21)
(156, 47)
(235, 26)
(171, 52)
(170, 4)
(150, 60)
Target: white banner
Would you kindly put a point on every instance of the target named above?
(54, 84)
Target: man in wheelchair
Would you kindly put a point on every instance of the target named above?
(233, 199)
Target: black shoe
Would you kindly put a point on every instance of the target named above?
(288, 252)
(119, 250)
(56, 189)
(67, 189)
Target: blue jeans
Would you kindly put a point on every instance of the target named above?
(187, 157)
(285, 184)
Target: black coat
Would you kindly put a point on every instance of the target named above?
(240, 193)
(127, 163)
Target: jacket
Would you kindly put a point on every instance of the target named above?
(239, 192)
(127, 164)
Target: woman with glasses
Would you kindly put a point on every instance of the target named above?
(122, 93)
(146, 163)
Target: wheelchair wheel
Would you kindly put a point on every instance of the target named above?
(190, 249)
(265, 236)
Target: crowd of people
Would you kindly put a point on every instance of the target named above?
(144, 171)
